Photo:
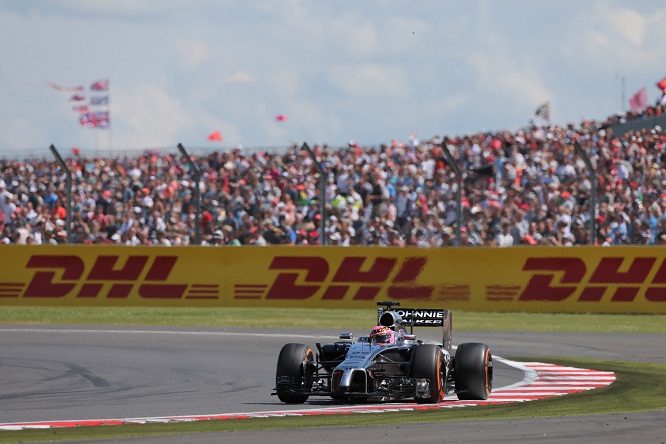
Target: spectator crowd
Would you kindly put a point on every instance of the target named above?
(526, 187)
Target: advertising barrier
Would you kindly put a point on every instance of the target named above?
(535, 279)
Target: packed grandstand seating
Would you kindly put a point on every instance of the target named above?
(525, 187)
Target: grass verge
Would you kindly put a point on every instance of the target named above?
(324, 318)
(639, 387)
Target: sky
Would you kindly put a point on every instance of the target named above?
(370, 71)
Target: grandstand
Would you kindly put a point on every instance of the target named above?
(525, 187)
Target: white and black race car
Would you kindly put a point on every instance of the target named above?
(386, 370)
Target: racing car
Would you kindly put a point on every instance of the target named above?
(390, 364)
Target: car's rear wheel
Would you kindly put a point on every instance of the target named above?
(291, 375)
(474, 371)
(428, 363)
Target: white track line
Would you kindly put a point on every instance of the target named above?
(519, 392)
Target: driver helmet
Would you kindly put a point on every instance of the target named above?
(382, 335)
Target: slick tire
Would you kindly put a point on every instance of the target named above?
(474, 371)
(428, 363)
(291, 363)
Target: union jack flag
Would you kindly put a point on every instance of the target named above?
(100, 85)
(98, 119)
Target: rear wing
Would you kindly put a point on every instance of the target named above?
(422, 317)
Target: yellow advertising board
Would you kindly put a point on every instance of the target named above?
(537, 279)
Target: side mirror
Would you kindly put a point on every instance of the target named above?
(347, 336)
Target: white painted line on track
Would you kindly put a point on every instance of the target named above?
(541, 381)
(503, 395)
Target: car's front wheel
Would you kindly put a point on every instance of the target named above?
(428, 363)
(474, 371)
(291, 377)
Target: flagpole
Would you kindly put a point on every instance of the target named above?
(110, 128)
(620, 76)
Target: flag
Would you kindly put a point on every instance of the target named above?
(215, 136)
(101, 85)
(76, 151)
(281, 117)
(98, 119)
(64, 88)
(662, 85)
(77, 98)
(638, 102)
(99, 100)
(81, 109)
(543, 112)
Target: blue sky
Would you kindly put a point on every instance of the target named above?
(370, 71)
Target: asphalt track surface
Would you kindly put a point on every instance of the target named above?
(101, 372)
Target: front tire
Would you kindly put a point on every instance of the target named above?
(291, 364)
(474, 371)
(428, 363)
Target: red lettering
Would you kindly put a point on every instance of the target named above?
(161, 268)
(607, 271)
(408, 290)
(539, 286)
(410, 270)
(350, 270)
(120, 290)
(656, 294)
(285, 287)
(335, 292)
(42, 284)
(104, 268)
(592, 294)
(660, 276)
(89, 290)
(625, 294)
(160, 271)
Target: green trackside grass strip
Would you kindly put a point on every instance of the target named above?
(639, 387)
(339, 319)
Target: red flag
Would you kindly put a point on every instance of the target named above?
(76, 151)
(638, 102)
(101, 85)
(281, 117)
(215, 136)
(64, 88)
(77, 98)
(662, 84)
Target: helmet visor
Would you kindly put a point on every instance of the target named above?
(382, 339)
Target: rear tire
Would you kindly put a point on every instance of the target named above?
(291, 363)
(474, 371)
(428, 363)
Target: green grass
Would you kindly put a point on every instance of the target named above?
(639, 387)
(328, 319)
